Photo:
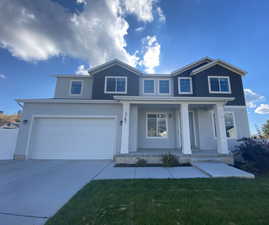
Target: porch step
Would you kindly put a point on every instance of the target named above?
(157, 158)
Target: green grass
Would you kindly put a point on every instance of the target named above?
(169, 202)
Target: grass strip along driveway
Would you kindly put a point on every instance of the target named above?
(168, 202)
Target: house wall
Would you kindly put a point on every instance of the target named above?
(200, 84)
(99, 82)
(62, 89)
(207, 141)
(160, 143)
(31, 109)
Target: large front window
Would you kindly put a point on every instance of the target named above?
(229, 124)
(157, 125)
(219, 84)
(115, 85)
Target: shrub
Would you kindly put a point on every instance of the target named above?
(252, 155)
(169, 160)
(141, 162)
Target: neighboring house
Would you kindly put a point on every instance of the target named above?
(120, 113)
(11, 125)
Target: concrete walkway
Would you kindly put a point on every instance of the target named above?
(31, 191)
(218, 169)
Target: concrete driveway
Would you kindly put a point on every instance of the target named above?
(33, 190)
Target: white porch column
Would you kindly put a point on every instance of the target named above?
(185, 125)
(125, 128)
(222, 145)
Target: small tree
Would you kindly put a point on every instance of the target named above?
(265, 129)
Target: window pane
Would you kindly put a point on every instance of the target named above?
(162, 129)
(148, 86)
(185, 85)
(152, 125)
(229, 124)
(214, 84)
(110, 84)
(164, 86)
(76, 87)
(120, 84)
(224, 86)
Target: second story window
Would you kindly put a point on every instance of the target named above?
(76, 87)
(149, 87)
(164, 87)
(185, 85)
(219, 85)
(116, 85)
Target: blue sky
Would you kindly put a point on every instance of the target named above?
(44, 37)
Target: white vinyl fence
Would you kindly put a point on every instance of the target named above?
(8, 139)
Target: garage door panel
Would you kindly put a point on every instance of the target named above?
(70, 138)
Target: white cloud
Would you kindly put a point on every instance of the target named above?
(162, 17)
(82, 70)
(262, 109)
(139, 29)
(141, 8)
(97, 34)
(82, 2)
(252, 98)
(2, 76)
(151, 57)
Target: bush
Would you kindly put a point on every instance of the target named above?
(169, 160)
(141, 162)
(252, 155)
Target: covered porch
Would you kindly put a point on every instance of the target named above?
(181, 127)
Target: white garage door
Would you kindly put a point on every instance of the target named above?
(72, 138)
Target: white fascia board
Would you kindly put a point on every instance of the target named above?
(189, 66)
(73, 101)
(71, 76)
(221, 63)
(173, 99)
(106, 65)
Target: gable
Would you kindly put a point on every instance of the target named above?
(192, 66)
(98, 91)
(219, 63)
(113, 63)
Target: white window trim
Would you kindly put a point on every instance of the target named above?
(169, 93)
(219, 92)
(214, 122)
(166, 121)
(116, 92)
(70, 87)
(183, 92)
(154, 91)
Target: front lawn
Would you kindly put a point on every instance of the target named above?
(168, 202)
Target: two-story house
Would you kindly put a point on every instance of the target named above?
(119, 112)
